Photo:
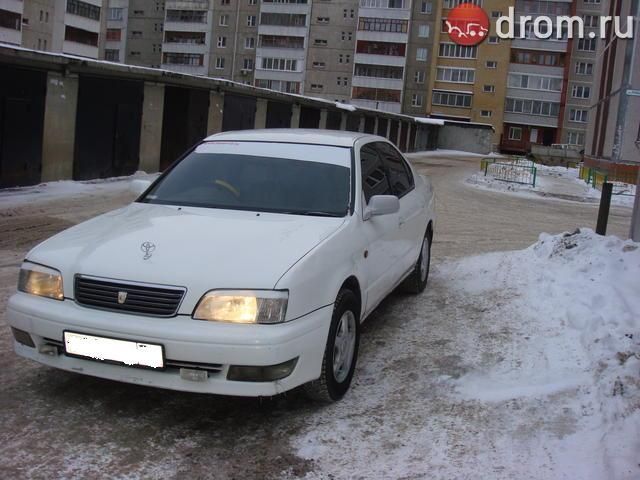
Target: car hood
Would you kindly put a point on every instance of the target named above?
(197, 248)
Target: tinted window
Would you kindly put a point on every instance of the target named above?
(374, 175)
(257, 183)
(399, 174)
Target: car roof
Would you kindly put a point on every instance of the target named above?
(295, 135)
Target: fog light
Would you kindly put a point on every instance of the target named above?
(269, 373)
(22, 337)
(48, 349)
(194, 375)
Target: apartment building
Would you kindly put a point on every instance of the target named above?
(332, 41)
(75, 26)
(469, 82)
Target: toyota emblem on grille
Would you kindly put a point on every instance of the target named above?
(148, 249)
(122, 297)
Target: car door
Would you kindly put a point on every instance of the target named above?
(381, 232)
(412, 204)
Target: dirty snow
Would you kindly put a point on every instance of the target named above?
(48, 191)
(560, 398)
(444, 153)
(558, 182)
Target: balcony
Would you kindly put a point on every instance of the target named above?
(372, 59)
(294, 8)
(398, 13)
(283, 75)
(382, 36)
(9, 35)
(80, 49)
(377, 82)
(188, 69)
(527, 119)
(179, 47)
(540, 44)
(282, 30)
(187, 5)
(392, 107)
(82, 23)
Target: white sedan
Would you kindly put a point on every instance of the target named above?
(245, 269)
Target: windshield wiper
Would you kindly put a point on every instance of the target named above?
(313, 213)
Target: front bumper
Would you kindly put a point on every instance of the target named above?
(184, 339)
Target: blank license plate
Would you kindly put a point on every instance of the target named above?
(103, 349)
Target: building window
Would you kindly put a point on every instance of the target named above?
(279, 85)
(534, 82)
(451, 99)
(279, 41)
(590, 21)
(584, 68)
(575, 138)
(316, 87)
(251, 2)
(197, 38)
(489, 88)
(580, 91)
(515, 133)
(250, 43)
(423, 31)
(191, 59)
(319, 65)
(187, 16)
(378, 71)
(115, 14)
(114, 34)
(251, 20)
(455, 75)
(390, 25)
(225, 2)
(493, 40)
(83, 9)
(283, 64)
(496, 14)
(247, 64)
(592, 2)
(452, 50)
(532, 107)
(73, 34)
(426, 7)
(491, 64)
(587, 44)
(220, 63)
(419, 76)
(347, 36)
(416, 100)
(421, 54)
(136, 34)
(376, 94)
(342, 81)
(283, 19)
(322, 20)
(455, 3)
(112, 55)
(320, 42)
(224, 20)
(578, 115)
(222, 42)
(486, 113)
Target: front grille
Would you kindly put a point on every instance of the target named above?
(141, 299)
(210, 367)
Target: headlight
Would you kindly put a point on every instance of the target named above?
(40, 280)
(243, 306)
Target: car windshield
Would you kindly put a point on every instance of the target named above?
(269, 177)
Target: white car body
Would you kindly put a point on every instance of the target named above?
(202, 249)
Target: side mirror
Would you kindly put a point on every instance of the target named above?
(381, 205)
(138, 186)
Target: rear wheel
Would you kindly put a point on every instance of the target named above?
(417, 280)
(341, 352)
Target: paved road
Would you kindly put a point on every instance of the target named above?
(59, 424)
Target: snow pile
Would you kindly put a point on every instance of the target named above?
(556, 182)
(43, 192)
(574, 300)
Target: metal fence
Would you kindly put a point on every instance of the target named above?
(622, 184)
(511, 170)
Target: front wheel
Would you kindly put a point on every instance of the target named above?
(417, 280)
(341, 352)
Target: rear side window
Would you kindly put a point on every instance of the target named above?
(400, 175)
(374, 175)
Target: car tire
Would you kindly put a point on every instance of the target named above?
(343, 339)
(416, 282)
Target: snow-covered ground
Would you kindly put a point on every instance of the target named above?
(449, 153)
(558, 182)
(559, 399)
(45, 192)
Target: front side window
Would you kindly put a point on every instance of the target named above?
(374, 176)
(399, 173)
(256, 176)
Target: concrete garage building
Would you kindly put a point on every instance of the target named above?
(65, 117)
